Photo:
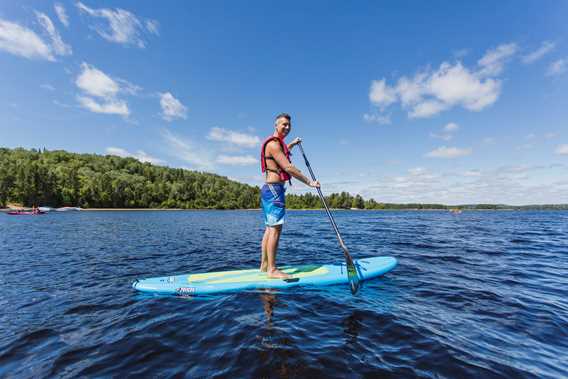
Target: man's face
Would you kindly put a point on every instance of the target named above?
(283, 126)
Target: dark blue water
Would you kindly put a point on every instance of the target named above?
(480, 294)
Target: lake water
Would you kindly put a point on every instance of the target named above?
(479, 294)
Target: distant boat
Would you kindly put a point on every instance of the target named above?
(25, 213)
(456, 211)
(67, 209)
(45, 209)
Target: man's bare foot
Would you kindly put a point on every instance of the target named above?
(263, 267)
(277, 274)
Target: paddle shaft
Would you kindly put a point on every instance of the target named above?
(331, 219)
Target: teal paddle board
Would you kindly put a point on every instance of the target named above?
(238, 280)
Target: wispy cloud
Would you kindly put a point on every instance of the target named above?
(21, 41)
(445, 137)
(233, 138)
(451, 127)
(61, 14)
(447, 131)
(494, 60)
(557, 67)
(545, 48)
(139, 155)
(430, 92)
(448, 152)
(120, 26)
(95, 83)
(152, 26)
(57, 44)
(562, 149)
(172, 108)
(374, 118)
(186, 150)
(237, 160)
(525, 146)
(509, 184)
(48, 87)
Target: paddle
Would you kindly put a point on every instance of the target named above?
(351, 270)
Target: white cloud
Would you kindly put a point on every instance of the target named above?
(493, 61)
(489, 141)
(61, 14)
(139, 155)
(557, 67)
(94, 82)
(110, 106)
(172, 108)
(185, 150)
(545, 48)
(233, 138)
(451, 127)
(374, 118)
(48, 87)
(448, 152)
(237, 160)
(430, 92)
(562, 149)
(21, 41)
(412, 90)
(551, 135)
(426, 109)
(120, 26)
(456, 85)
(381, 94)
(57, 44)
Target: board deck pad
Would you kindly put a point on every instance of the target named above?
(238, 280)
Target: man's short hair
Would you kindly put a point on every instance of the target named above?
(283, 115)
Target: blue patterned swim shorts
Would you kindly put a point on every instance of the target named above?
(273, 203)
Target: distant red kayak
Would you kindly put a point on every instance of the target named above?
(25, 213)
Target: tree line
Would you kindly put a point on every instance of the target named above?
(59, 178)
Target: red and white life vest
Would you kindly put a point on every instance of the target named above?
(282, 175)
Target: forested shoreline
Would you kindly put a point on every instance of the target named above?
(60, 178)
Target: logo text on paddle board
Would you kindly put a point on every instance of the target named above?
(186, 290)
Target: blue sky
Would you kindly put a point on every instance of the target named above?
(410, 101)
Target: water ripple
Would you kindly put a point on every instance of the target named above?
(480, 294)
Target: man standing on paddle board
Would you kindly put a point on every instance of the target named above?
(275, 162)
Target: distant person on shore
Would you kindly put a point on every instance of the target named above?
(276, 164)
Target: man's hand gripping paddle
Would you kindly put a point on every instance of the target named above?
(351, 270)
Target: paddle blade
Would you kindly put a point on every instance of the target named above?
(352, 275)
(353, 279)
